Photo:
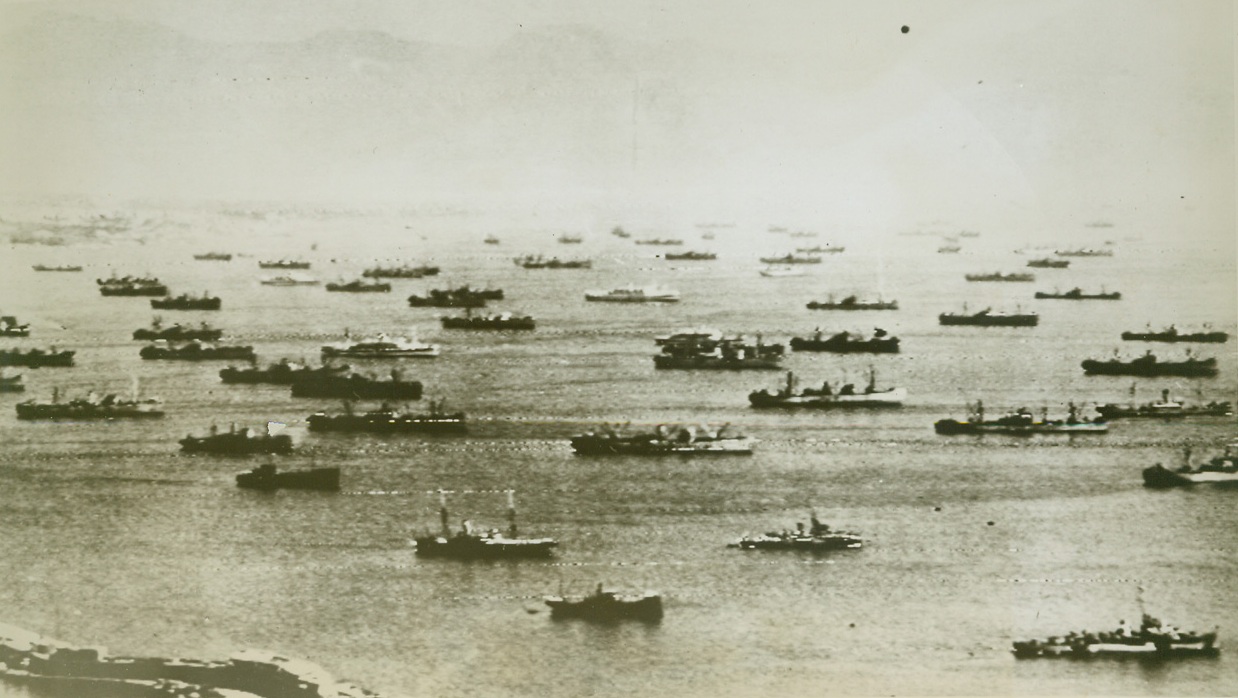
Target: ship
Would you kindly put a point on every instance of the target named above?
(604, 606)
(1022, 422)
(949, 249)
(793, 258)
(195, 350)
(1077, 294)
(999, 276)
(214, 257)
(847, 343)
(619, 232)
(990, 318)
(491, 240)
(1048, 263)
(690, 256)
(537, 261)
(826, 398)
(571, 239)
(1165, 409)
(470, 544)
(660, 241)
(1152, 639)
(358, 286)
(355, 386)
(1220, 470)
(463, 297)
(131, 286)
(777, 272)
(267, 478)
(818, 537)
(284, 264)
(633, 294)
(34, 358)
(502, 321)
(1172, 334)
(91, 407)
(694, 336)
(720, 353)
(282, 372)
(240, 441)
(62, 267)
(289, 280)
(852, 303)
(663, 440)
(9, 327)
(1084, 252)
(403, 271)
(381, 347)
(187, 302)
(1149, 365)
(178, 332)
(11, 384)
(388, 420)
(821, 249)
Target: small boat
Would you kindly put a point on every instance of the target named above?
(1165, 409)
(1084, 252)
(793, 258)
(990, 318)
(1048, 263)
(852, 303)
(290, 280)
(177, 332)
(608, 606)
(266, 477)
(388, 420)
(195, 350)
(34, 358)
(63, 267)
(1021, 422)
(847, 343)
(214, 257)
(284, 264)
(187, 302)
(663, 440)
(818, 538)
(358, 286)
(502, 321)
(91, 407)
(1153, 640)
(469, 544)
(826, 398)
(1149, 365)
(634, 294)
(775, 272)
(532, 261)
(1077, 294)
(240, 441)
(1172, 334)
(401, 272)
(9, 327)
(999, 276)
(620, 232)
(690, 256)
(1220, 470)
(11, 384)
(381, 347)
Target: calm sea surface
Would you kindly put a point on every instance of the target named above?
(112, 537)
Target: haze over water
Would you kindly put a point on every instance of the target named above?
(408, 133)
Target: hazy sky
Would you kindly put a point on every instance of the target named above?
(1026, 114)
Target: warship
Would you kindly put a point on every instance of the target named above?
(9, 327)
(358, 286)
(187, 302)
(1172, 334)
(502, 321)
(354, 386)
(1149, 365)
(1165, 409)
(195, 350)
(388, 420)
(1220, 470)
(265, 477)
(1077, 294)
(989, 318)
(282, 372)
(468, 544)
(663, 440)
(852, 303)
(1152, 639)
(177, 332)
(1022, 422)
(847, 343)
(239, 441)
(826, 398)
(34, 358)
(607, 606)
(403, 271)
(91, 407)
(818, 538)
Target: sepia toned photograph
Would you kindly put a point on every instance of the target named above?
(549, 349)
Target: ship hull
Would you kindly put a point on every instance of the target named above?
(64, 358)
(388, 424)
(191, 304)
(950, 427)
(603, 446)
(481, 548)
(320, 479)
(872, 346)
(228, 444)
(876, 400)
(1158, 476)
(60, 412)
(990, 320)
(1117, 368)
(664, 361)
(607, 609)
(1197, 337)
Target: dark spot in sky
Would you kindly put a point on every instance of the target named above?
(906, 28)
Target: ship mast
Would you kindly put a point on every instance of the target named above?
(442, 511)
(511, 513)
